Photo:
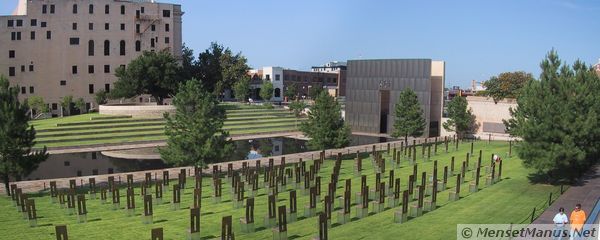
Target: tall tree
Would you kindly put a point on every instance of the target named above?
(409, 116)
(80, 105)
(17, 138)
(219, 69)
(195, 133)
(557, 118)
(242, 89)
(460, 117)
(155, 73)
(266, 90)
(325, 126)
(101, 97)
(65, 103)
(291, 91)
(506, 85)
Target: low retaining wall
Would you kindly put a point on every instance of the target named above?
(137, 110)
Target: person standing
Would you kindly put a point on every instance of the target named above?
(577, 220)
(560, 220)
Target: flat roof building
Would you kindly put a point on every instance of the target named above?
(373, 87)
(55, 48)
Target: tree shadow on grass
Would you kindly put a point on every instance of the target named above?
(209, 237)
(294, 236)
(207, 213)
(95, 220)
(45, 225)
(162, 220)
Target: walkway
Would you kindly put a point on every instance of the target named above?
(586, 193)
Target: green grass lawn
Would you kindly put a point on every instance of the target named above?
(82, 130)
(508, 201)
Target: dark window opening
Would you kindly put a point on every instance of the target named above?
(166, 13)
(122, 47)
(31, 90)
(32, 35)
(11, 71)
(122, 10)
(48, 35)
(74, 26)
(63, 83)
(91, 9)
(74, 41)
(91, 48)
(91, 88)
(167, 27)
(74, 8)
(138, 46)
(106, 48)
(74, 69)
(90, 69)
(33, 22)
(107, 9)
(106, 68)
(11, 54)
(52, 8)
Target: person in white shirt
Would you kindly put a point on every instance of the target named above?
(560, 220)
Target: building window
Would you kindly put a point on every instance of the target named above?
(31, 90)
(122, 47)
(11, 23)
(91, 48)
(277, 92)
(44, 9)
(167, 27)
(74, 69)
(23, 90)
(91, 69)
(48, 35)
(22, 68)
(106, 68)
(74, 41)
(137, 28)
(152, 42)
(18, 35)
(15, 36)
(122, 10)
(167, 40)
(74, 26)
(32, 35)
(52, 8)
(267, 77)
(33, 22)
(122, 26)
(11, 54)
(19, 22)
(44, 24)
(74, 8)
(277, 77)
(11, 71)
(54, 106)
(91, 26)
(63, 82)
(107, 88)
(106, 48)
(142, 9)
(67, 163)
(106, 26)
(91, 9)
(166, 13)
(153, 28)
(91, 88)
(138, 46)
(31, 68)
(106, 9)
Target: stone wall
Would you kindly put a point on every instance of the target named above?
(145, 111)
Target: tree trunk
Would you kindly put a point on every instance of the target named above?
(6, 184)
(406, 140)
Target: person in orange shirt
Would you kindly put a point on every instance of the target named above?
(577, 219)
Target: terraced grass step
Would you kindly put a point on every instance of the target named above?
(88, 123)
(108, 117)
(113, 126)
(253, 114)
(90, 132)
(129, 135)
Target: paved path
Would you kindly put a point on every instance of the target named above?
(39, 185)
(586, 193)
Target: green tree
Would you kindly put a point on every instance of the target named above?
(65, 103)
(155, 73)
(325, 126)
(409, 116)
(297, 107)
(80, 105)
(219, 68)
(16, 137)
(37, 104)
(291, 91)
(315, 91)
(242, 89)
(101, 97)
(266, 90)
(557, 118)
(506, 85)
(195, 133)
(460, 117)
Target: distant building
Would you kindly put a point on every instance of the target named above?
(373, 87)
(340, 69)
(72, 47)
(597, 67)
(304, 82)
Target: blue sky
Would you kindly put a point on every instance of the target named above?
(477, 39)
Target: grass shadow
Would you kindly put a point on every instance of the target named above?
(209, 237)
(95, 220)
(160, 221)
(294, 236)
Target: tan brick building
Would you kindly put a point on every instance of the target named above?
(55, 48)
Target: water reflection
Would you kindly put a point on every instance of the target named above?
(94, 163)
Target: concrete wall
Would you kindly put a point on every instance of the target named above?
(51, 60)
(489, 115)
(142, 111)
(367, 78)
